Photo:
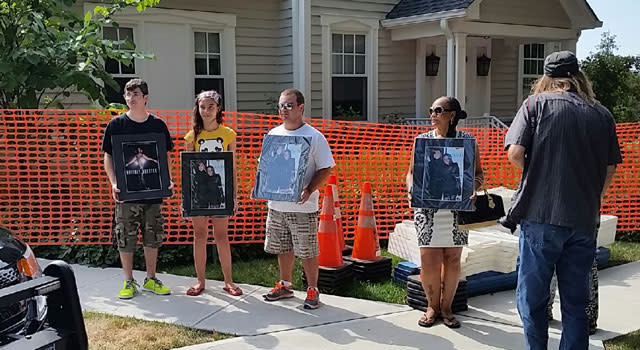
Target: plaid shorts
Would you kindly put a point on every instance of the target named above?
(288, 231)
(131, 218)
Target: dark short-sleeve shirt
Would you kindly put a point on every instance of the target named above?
(123, 125)
(569, 144)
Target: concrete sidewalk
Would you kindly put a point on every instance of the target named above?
(492, 321)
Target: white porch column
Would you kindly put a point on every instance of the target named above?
(460, 70)
(451, 81)
(301, 42)
(421, 95)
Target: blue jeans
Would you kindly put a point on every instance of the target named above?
(544, 247)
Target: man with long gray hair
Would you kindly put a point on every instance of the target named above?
(565, 142)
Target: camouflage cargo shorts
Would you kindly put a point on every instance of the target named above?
(134, 218)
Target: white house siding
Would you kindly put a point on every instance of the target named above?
(396, 60)
(396, 76)
(258, 51)
(504, 78)
(263, 50)
(548, 13)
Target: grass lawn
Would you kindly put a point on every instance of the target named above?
(264, 272)
(623, 253)
(629, 341)
(109, 332)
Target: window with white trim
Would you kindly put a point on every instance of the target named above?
(207, 62)
(532, 66)
(120, 72)
(349, 78)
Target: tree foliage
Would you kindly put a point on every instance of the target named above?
(615, 79)
(46, 47)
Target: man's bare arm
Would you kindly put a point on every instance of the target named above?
(516, 155)
(611, 170)
(318, 179)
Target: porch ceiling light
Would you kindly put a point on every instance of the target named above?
(431, 65)
(484, 63)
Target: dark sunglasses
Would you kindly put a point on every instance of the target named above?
(288, 106)
(439, 110)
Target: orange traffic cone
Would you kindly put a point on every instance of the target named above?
(366, 245)
(333, 182)
(330, 252)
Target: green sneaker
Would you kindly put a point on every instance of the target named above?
(155, 286)
(129, 289)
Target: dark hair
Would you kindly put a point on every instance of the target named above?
(137, 83)
(198, 124)
(454, 106)
(212, 168)
(299, 96)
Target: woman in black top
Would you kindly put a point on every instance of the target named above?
(451, 178)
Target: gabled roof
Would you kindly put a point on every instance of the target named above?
(411, 8)
(408, 8)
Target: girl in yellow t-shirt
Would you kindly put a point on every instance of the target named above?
(209, 135)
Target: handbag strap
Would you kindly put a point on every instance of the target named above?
(492, 204)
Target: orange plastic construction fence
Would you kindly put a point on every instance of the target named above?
(53, 189)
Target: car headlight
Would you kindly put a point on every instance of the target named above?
(28, 265)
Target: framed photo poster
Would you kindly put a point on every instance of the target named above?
(283, 163)
(140, 164)
(443, 173)
(207, 183)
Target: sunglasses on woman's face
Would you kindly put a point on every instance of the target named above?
(438, 110)
(288, 106)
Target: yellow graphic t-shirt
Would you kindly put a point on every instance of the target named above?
(217, 140)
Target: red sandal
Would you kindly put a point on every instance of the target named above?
(194, 291)
(235, 291)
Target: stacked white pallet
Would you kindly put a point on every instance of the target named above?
(491, 248)
(403, 242)
(489, 251)
(495, 251)
(607, 231)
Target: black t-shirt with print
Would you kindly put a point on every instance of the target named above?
(123, 125)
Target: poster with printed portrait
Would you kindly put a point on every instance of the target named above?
(281, 169)
(140, 164)
(207, 183)
(443, 173)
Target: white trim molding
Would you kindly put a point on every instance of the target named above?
(429, 17)
(356, 25)
(512, 30)
(222, 23)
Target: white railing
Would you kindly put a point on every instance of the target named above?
(471, 122)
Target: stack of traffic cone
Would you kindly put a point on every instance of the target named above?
(367, 262)
(333, 182)
(418, 300)
(330, 253)
(333, 273)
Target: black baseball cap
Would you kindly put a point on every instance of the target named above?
(561, 64)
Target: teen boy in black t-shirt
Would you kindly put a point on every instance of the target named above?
(143, 215)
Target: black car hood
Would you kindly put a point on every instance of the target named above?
(11, 249)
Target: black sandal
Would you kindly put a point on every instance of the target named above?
(426, 321)
(451, 322)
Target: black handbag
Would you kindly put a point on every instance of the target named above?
(489, 208)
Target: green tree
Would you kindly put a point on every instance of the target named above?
(46, 47)
(615, 79)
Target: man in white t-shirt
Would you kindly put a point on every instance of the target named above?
(292, 228)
